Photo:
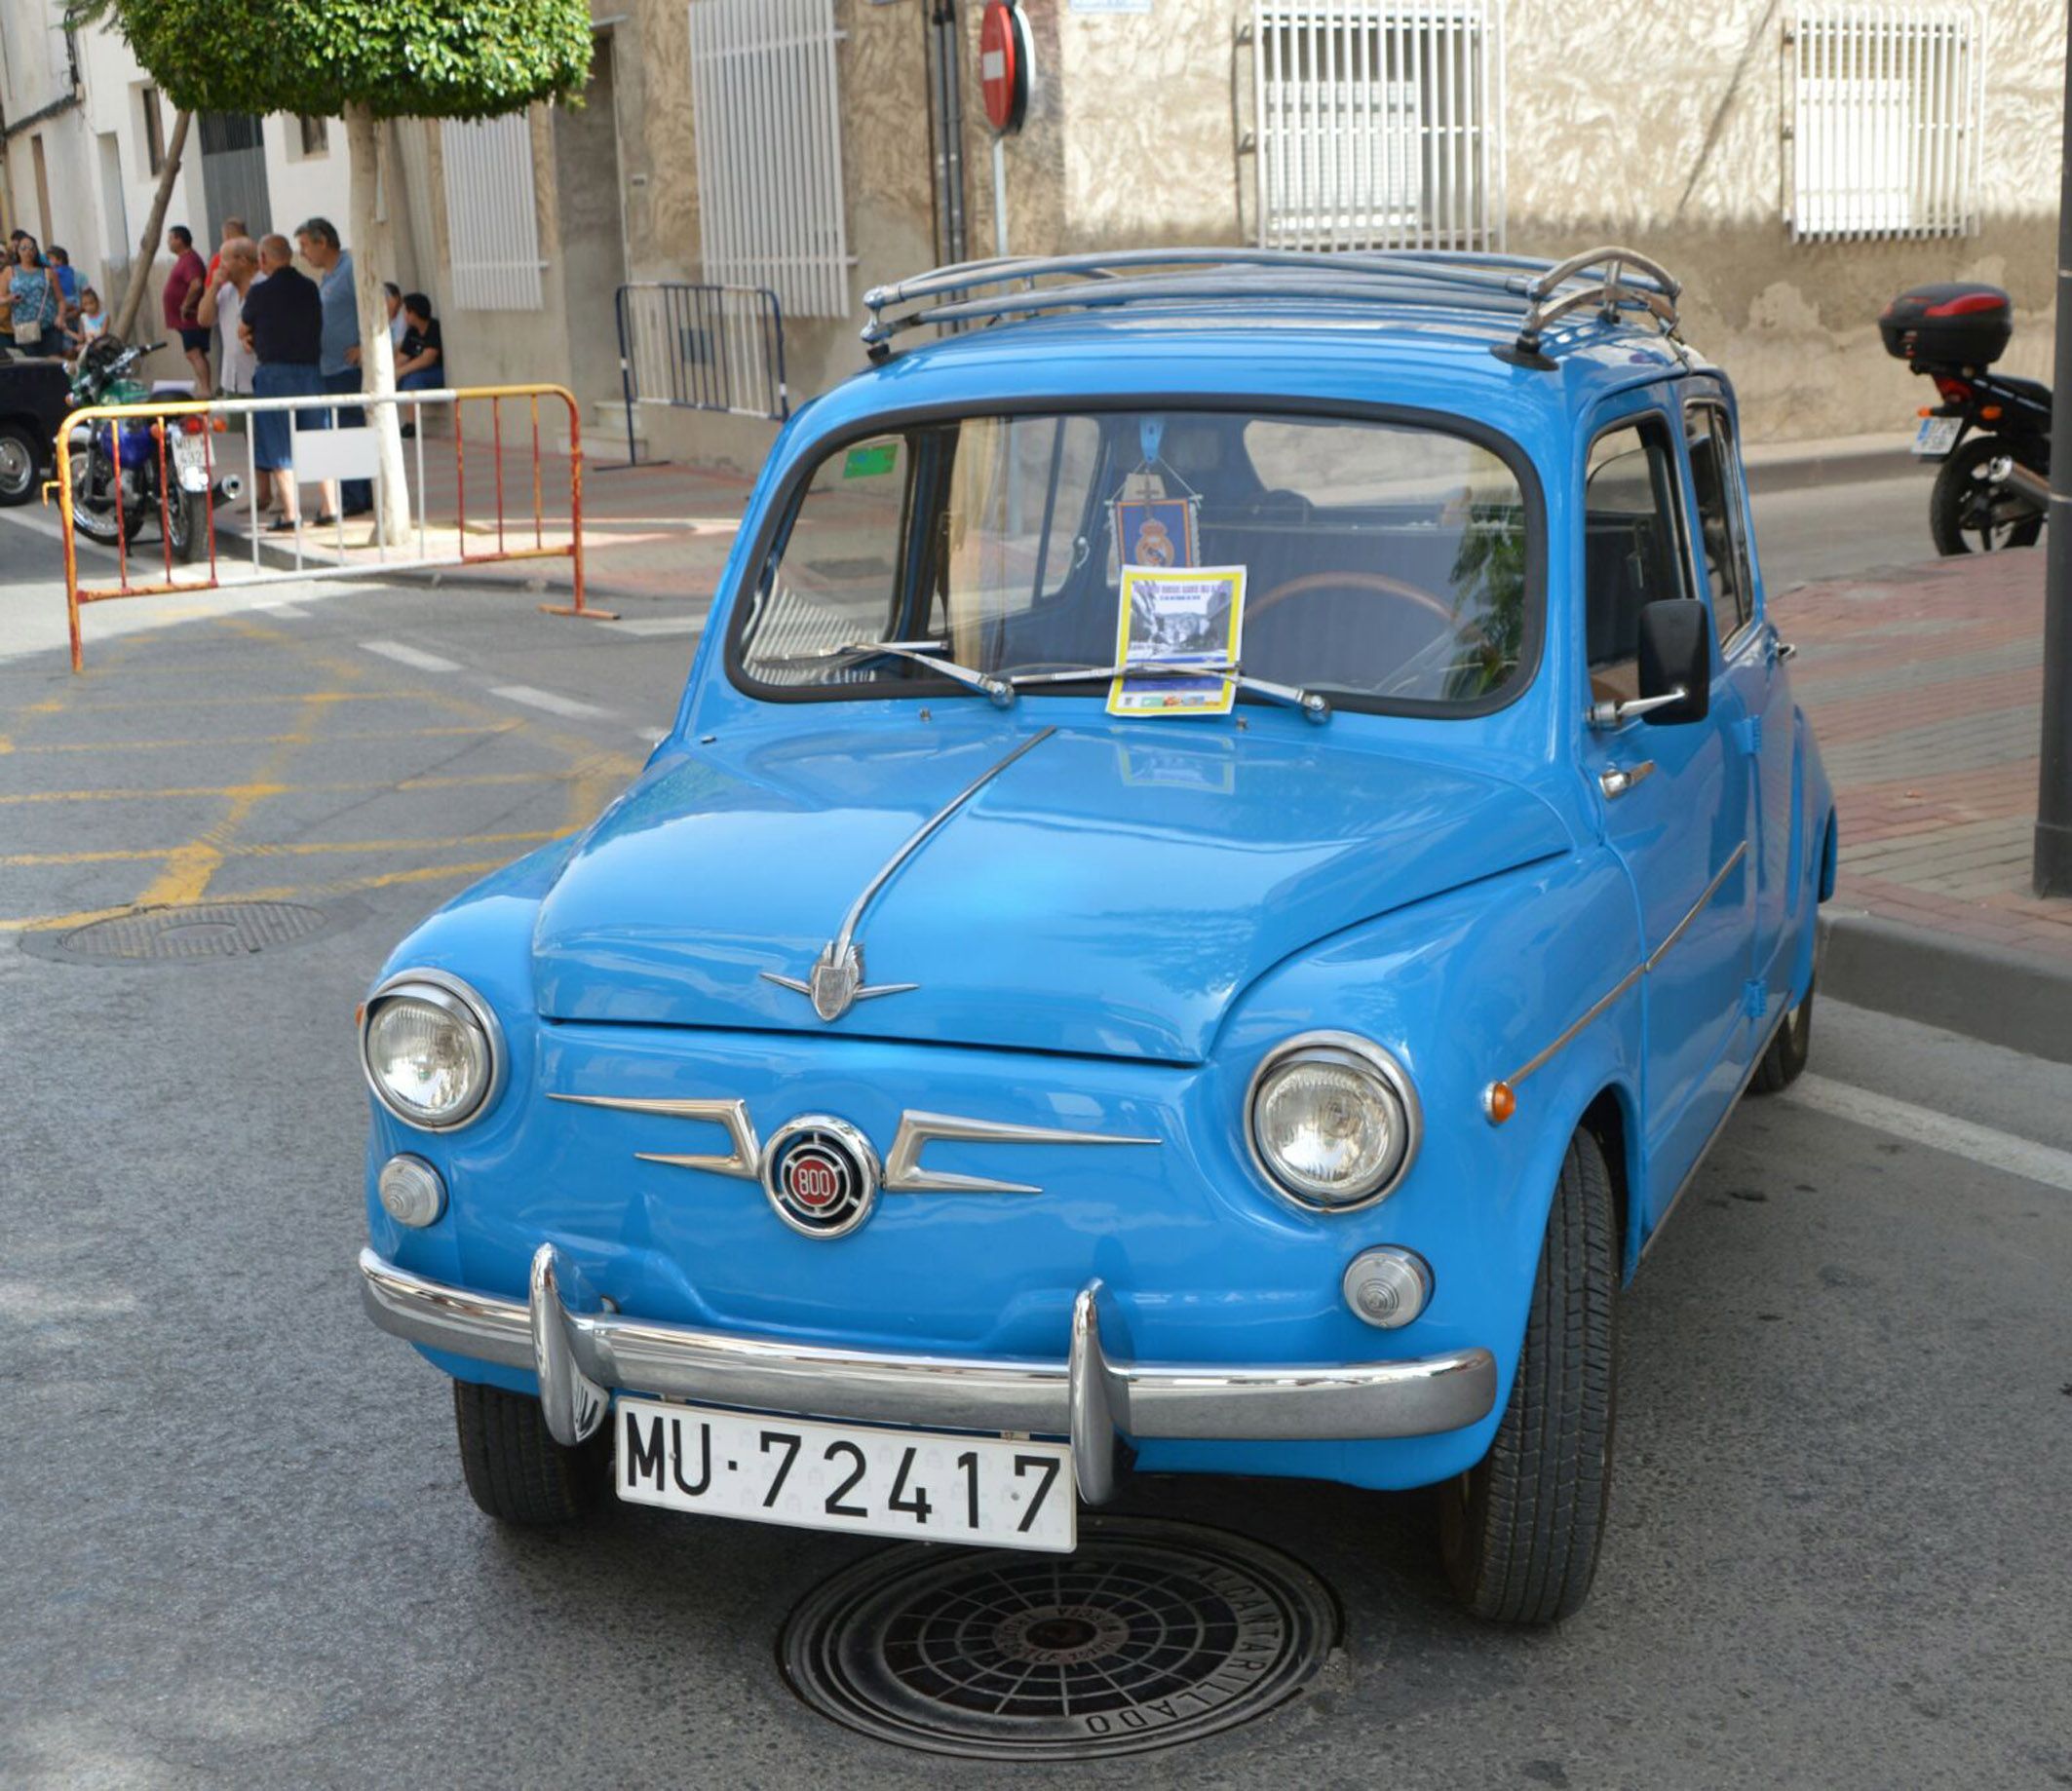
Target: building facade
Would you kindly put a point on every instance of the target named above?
(1795, 163)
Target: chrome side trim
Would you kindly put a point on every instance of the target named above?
(837, 977)
(1542, 1058)
(1087, 1397)
(743, 1160)
(903, 1173)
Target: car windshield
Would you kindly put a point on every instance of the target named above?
(1384, 564)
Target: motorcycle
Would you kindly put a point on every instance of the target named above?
(1990, 435)
(125, 469)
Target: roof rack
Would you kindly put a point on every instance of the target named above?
(1539, 293)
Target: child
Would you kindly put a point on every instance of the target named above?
(92, 320)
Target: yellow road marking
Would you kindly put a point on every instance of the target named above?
(427, 873)
(297, 849)
(258, 791)
(483, 728)
(281, 696)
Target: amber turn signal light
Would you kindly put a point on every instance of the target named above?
(1499, 1102)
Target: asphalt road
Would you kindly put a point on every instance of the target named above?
(238, 1550)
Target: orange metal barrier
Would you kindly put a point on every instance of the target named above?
(205, 420)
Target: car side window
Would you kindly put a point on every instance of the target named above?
(1715, 481)
(1631, 548)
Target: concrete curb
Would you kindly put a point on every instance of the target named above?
(1962, 985)
(1787, 467)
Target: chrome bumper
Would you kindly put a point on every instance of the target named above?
(581, 1357)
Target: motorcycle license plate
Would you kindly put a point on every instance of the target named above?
(190, 460)
(1936, 435)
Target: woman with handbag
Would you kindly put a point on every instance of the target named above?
(38, 300)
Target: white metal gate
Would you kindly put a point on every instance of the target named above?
(766, 109)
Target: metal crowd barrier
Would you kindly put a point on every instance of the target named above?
(317, 457)
(701, 348)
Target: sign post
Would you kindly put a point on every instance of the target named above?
(2054, 793)
(1006, 66)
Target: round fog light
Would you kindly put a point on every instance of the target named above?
(411, 1192)
(1386, 1286)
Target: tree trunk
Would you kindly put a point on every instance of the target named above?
(168, 170)
(369, 244)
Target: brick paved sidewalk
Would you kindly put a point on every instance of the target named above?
(1924, 685)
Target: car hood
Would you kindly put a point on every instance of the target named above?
(1112, 891)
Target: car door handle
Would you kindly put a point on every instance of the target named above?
(1780, 650)
(1616, 780)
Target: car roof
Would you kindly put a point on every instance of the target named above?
(1307, 353)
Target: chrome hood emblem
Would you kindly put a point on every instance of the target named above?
(835, 983)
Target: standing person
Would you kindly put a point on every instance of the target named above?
(317, 240)
(233, 229)
(93, 320)
(180, 300)
(223, 306)
(36, 298)
(282, 321)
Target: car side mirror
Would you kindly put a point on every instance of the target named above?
(1676, 662)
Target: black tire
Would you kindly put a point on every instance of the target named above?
(20, 457)
(1786, 1053)
(187, 525)
(515, 1472)
(1968, 514)
(1519, 1533)
(95, 519)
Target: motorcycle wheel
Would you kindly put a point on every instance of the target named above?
(187, 525)
(93, 512)
(1969, 513)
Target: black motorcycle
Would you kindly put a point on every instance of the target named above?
(1991, 433)
(126, 471)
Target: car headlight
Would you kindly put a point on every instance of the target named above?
(1332, 1120)
(431, 1048)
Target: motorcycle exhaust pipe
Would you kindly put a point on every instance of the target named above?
(229, 488)
(2010, 472)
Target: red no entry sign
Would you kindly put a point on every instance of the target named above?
(1004, 65)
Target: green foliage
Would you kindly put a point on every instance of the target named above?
(400, 59)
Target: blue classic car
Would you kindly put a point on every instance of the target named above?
(1237, 829)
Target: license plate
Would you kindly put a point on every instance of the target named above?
(190, 460)
(917, 1484)
(1936, 435)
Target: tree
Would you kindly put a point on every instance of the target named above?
(80, 15)
(365, 61)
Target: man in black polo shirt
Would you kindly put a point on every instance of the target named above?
(283, 324)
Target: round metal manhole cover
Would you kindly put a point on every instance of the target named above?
(204, 930)
(1150, 1635)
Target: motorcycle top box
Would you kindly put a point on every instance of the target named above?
(1951, 324)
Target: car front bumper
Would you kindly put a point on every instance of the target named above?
(582, 1357)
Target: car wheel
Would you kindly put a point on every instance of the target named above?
(1786, 1055)
(1520, 1531)
(516, 1470)
(18, 455)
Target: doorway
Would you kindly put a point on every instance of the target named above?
(586, 152)
(234, 172)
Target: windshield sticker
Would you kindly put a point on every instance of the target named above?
(871, 460)
(1171, 620)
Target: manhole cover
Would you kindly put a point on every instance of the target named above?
(206, 929)
(1151, 1634)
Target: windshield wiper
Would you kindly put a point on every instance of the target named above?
(1314, 705)
(997, 691)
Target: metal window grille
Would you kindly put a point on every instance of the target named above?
(1888, 104)
(766, 109)
(492, 227)
(1379, 125)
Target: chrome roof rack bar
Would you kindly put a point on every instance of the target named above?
(1537, 291)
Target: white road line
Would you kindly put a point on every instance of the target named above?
(657, 625)
(294, 612)
(546, 700)
(1942, 1131)
(410, 656)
